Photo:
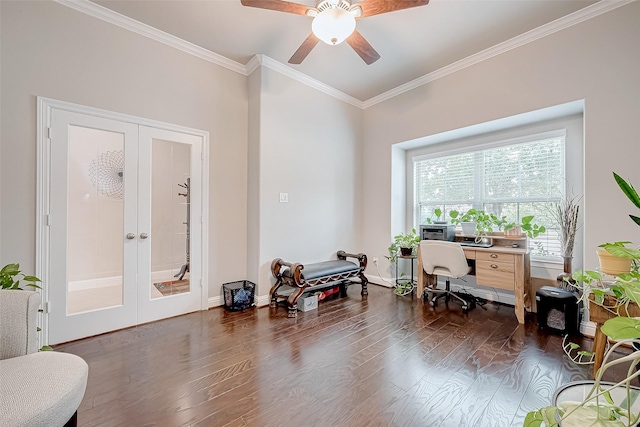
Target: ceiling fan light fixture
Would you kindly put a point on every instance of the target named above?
(333, 25)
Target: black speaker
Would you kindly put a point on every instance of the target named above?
(558, 310)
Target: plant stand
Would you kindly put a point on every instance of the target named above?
(403, 286)
(599, 315)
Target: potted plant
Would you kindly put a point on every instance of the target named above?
(605, 404)
(474, 222)
(615, 258)
(438, 213)
(565, 214)
(406, 243)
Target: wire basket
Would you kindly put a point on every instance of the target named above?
(239, 295)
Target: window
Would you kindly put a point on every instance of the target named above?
(514, 179)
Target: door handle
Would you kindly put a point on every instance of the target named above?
(131, 236)
(143, 235)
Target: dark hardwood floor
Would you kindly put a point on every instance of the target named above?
(386, 360)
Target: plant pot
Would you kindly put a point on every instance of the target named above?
(514, 232)
(468, 228)
(406, 251)
(564, 279)
(577, 391)
(613, 265)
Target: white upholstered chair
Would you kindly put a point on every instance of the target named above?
(37, 389)
(441, 258)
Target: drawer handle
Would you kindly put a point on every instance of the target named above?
(494, 266)
(494, 255)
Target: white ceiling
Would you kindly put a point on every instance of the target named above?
(412, 42)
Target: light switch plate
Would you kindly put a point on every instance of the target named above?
(284, 197)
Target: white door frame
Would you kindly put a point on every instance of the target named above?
(43, 171)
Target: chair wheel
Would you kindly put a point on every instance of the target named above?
(465, 309)
(433, 302)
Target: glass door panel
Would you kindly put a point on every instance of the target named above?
(95, 209)
(170, 218)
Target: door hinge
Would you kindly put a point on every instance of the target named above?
(46, 307)
(48, 220)
(49, 133)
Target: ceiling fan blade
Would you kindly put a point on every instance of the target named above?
(363, 48)
(376, 7)
(304, 49)
(279, 5)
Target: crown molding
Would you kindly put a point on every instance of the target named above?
(274, 65)
(108, 15)
(552, 27)
(253, 64)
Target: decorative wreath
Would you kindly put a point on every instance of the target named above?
(106, 173)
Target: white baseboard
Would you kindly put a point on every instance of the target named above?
(378, 280)
(588, 328)
(217, 301)
(482, 292)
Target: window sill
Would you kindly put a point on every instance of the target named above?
(549, 263)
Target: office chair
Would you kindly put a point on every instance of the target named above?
(447, 259)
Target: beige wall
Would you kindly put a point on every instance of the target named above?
(596, 61)
(307, 144)
(332, 151)
(52, 51)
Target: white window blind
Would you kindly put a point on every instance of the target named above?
(514, 180)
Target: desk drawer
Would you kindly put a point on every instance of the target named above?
(495, 257)
(497, 274)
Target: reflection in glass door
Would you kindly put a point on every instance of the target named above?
(170, 218)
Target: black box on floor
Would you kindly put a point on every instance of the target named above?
(558, 310)
(238, 295)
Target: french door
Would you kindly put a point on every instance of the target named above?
(124, 224)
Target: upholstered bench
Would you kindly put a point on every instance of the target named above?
(310, 277)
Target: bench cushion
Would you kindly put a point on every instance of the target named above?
(325, 268)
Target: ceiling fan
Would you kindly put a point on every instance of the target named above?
(334, 21)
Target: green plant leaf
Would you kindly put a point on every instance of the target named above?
(546, 415)
(619, 328)
(622, 252)
(593, 274)
(628, 190)
(46, 348)
(10, 270)
(635, 219)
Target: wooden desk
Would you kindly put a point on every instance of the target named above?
(599, 315)
(500, 266)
